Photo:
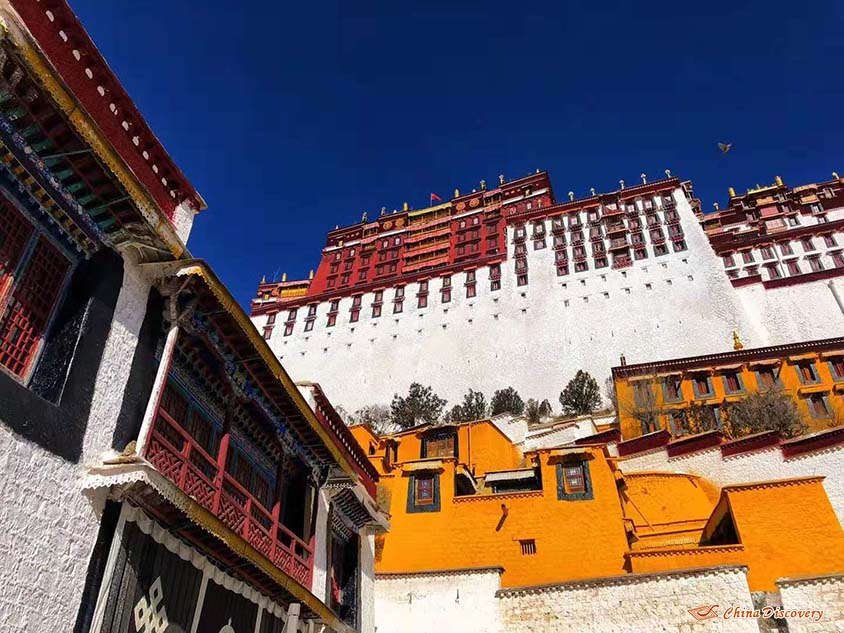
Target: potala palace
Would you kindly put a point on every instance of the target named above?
(172, 464)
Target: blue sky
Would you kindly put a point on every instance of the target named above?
(292, 117)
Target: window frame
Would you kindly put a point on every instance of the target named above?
(563, 493)
(11, 280)
(698, 394)
(412, 504)
(727, 390)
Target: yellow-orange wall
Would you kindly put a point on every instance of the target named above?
(631, 427)
(573, 538)
(786, 529)
(667, 508)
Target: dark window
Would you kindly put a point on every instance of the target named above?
(702, 386)
(672, 390)
(818, 405)
(733, 382)
(807, 372)
(767, 377)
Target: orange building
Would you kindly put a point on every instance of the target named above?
(464, 497)
(661, 395)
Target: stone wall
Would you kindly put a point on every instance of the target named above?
(441, 602)
(760, 465)
(533, 337)
(637, 603)
(811, 594)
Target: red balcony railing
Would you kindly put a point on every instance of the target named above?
(180, 458)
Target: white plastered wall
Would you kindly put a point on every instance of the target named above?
(532, 337)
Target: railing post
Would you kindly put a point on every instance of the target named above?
(222, 454)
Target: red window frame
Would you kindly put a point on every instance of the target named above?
(33, 275)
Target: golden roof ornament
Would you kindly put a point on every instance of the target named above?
(500, 179)
(311, 274)
(405, 207)
(283, 277)
(456, 192)
(737, 344)
(778, 180)
(732, 192)
(263, 279)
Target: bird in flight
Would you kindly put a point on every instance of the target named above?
(724, 147)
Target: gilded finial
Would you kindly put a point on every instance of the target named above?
(311, 274)
(732, 192)
(283, 277)
(456, 192)
(405, 207)
(571, 196)
(668, 173)
(644, 178)
(737, 344)
(500, 179)
(263, 279)
(778, 180)
(483, 185)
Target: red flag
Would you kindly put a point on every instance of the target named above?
(435, 197)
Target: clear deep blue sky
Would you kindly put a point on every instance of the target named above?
(292, 117)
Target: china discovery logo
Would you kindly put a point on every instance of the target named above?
(704, 612)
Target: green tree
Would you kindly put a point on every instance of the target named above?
(473, 407)
(769, 410)
(377, 416)
(581, 395)
(420, 405)
(507, 401)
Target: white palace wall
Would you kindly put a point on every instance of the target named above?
(49, 525)
(532, 337)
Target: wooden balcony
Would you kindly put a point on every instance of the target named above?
(181, 459)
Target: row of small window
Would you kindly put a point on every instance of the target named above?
(677, 421)
(785, 248)
(766, 378)
(596, 230)
(619, 261)
(599, 247)
(792, 267)
(446, 289)
(573, 484)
